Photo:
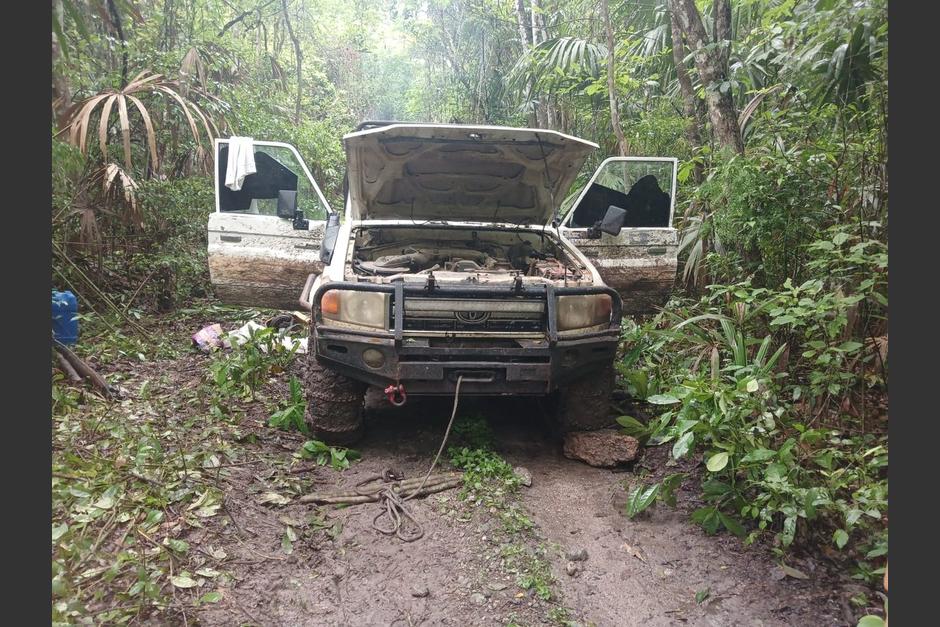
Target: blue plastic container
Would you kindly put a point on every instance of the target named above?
(64, 323)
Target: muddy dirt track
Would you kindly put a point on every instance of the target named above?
(465, 570)
(281, 562)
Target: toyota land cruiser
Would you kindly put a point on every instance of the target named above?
(455, 260)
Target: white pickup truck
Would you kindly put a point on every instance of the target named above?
(451, 264)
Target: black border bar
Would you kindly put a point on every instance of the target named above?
(400, 291)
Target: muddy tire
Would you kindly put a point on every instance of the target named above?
(334, 404)
(584, 404)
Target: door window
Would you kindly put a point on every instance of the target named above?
(278, 168)
(643, 187)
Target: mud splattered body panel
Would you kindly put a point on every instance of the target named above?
(261, 261)
(639, 263)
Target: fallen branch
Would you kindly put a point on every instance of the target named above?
(130, 300)
(373, 486)
(67, 368)
(438, 483)
(80, 367)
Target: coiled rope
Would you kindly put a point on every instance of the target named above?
(392, 503)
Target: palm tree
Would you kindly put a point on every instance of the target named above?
(78, 118)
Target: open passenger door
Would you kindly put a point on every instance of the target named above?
(640, 262)
(264, 239)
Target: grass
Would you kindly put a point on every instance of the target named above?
(531, 568)
(491, 484)
(489, 480)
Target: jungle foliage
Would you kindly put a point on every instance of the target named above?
(770, 365)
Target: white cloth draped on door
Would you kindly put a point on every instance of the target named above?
(241, 161)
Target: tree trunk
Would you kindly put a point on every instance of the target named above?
(525, 34)
(169, 28)
(525, 39)
(61, 92)
(721, 22)
(612, 83)
(116, 19)
(692, 106)
(481, 82)
(714, 77)
(551, 106)
(543, 110)
(299, 56)
(452, 56)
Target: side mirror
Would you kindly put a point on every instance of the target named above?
(287, 209)
(612, 222)
(329, 237)
(287, 203)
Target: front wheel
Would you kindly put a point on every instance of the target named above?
(334, 404)
(584, 404)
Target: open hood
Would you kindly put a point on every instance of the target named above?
(461, 173)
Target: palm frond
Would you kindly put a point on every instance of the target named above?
(851, 66)
(89, 235)
(561, 56)
(748, 111)
(78, 120)
(120, 190)
(193, 67)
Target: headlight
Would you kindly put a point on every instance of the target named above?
(367, 309)
(579, 312)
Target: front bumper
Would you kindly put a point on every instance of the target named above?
(498, 364)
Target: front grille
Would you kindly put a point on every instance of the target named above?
(450, 314)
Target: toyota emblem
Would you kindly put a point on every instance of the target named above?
(472, 317)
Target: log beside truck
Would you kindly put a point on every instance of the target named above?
(453, 260)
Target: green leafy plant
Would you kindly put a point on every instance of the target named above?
(241, 372)
(488, 479)
(481, 466)
(742, 379)
(337, 457)
(643, 496)
(472, 432)
(532, 568)
(292, 415)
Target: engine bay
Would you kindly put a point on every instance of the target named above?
(391, 251)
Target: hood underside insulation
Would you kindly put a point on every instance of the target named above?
(461, 173)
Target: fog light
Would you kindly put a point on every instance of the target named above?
(373, 358)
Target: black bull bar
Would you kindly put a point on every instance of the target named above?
(399, 291)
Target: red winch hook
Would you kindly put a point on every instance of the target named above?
(396, 395)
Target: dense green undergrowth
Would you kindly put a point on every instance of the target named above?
(776, 392)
